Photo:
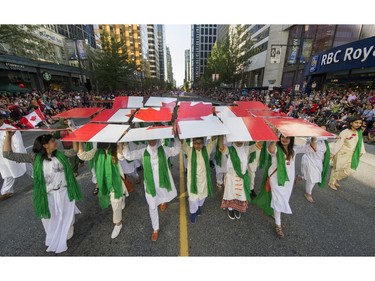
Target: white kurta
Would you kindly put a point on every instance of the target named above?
(281, 194)
(10, 168)
(234, 185)
(312, 163)
(162, 194)
(62, 210)
(202, 185)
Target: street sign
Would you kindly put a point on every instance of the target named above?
(275, 55)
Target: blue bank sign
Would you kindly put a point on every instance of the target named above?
(357, 54)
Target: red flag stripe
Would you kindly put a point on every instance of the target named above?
(258, 129)
(85, 133)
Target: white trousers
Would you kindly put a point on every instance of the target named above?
(7, 185)
(252, 178)
(195, 204)
(154, 215)
(116, 207)
(309, 187)
(277, 216)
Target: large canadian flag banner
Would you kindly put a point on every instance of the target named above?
(192, 110)
(113, 116)
(267, 113)
(78, 113)
(161, 102)
(93, 132)
(153, 114)
(231, 111)
(32, 119)
(148, 133)
(127, 102)
(252, 105)
(202, 127)
(248, 129)
(291, 127)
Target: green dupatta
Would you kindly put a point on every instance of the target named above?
(282, 175)
(263, 199)
(164, 180)
(237, 168)
(325, 165)
(40, 191)
(193, 180)
(357, 151)
(107, 176)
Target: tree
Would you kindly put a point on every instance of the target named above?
(231, 58)
(21, 40)
(113, 70)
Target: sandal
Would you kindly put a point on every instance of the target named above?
(309, 198)
(332, 186)
(279, 231)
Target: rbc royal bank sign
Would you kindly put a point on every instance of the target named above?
(357, 54)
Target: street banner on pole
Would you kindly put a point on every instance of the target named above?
(82, 51)
(128, 102)
(206, 127)
(291, 127)
(248, 129)
(148, 133)
(92, 132)
(275, 56)
(70, 49)
(114, 115)
(78, 113)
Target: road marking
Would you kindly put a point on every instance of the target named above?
(28, 147)
(184, 244)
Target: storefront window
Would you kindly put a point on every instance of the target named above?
(346, 34)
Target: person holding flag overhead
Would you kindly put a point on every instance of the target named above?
(199, 182)
(257, 158)
(315, 164)
(55, 188)
(237, 180)
(158, 181)
(347, 152)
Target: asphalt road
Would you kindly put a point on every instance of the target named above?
(340, 223)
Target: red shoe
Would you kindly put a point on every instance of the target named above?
(163, 207)
(155, 235)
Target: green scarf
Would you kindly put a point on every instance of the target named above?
(357, 151)
(164, 181)
(325, 165)
(263, 199)
(88, 147)
(40, 191)
(263, 156)
(237, 168)
(282, 175)
(193, 181)
(108, 177)
(218, 154)
(253, 155)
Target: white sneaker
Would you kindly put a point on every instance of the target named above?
(116, 231)
(70, 232)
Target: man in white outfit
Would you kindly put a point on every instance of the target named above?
(10, 170)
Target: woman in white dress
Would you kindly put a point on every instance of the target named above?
(158, 181)
(282, 173)
(55, 188)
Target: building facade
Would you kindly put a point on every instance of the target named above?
(169, 67)
(203, 37)
(162, 51)
(153, 50)
(187, 67)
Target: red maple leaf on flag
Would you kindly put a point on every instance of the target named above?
(131, 113)
(200, 109)
(153, 115)
(168, 104)
(33, 118)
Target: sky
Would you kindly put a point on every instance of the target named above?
(178, 40)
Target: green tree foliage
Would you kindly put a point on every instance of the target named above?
(22, 41)
(231, 58)
(112, 68)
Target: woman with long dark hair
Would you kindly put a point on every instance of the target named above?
(108, 174)
(55, 188)
(281, 172)
(347, 152)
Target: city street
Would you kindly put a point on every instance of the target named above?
(340, 223)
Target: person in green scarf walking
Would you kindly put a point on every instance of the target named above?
(315, 164)
(254, 162)
(199, 182)
(158, 181)
(237, 180)
(55, 188)
(282, 173)
(347, 152)
(108, 173)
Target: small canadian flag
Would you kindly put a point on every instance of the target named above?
(32, 119)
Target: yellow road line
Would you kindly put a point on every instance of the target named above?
(184, 244)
